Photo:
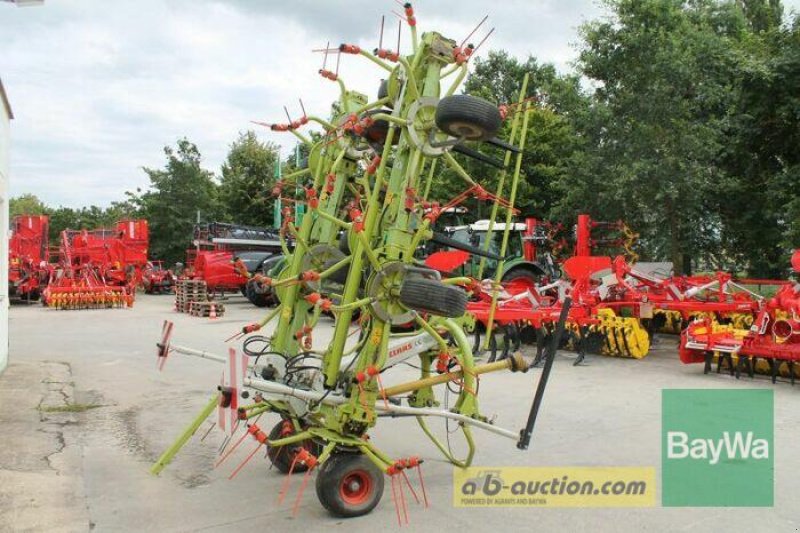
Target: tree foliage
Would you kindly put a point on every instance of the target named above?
(247, 179)
(179, 193)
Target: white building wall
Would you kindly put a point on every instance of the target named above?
(4, 230)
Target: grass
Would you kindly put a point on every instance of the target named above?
(69, 408)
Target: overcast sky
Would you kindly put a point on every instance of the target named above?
(98, 87)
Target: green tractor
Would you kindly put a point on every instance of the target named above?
(527, 262)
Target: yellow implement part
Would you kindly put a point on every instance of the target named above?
(625, 336)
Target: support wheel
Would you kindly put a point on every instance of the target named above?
(349, 485)
(434, 297)
(282, 456)
(466, 116)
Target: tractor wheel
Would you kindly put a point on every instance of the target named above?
(282, 456)
(466, 116)
(349, 485)
(259, 299)
(434, 297)
(520, 280)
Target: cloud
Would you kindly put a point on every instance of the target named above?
(98, 88)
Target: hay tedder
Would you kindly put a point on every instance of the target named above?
(98, 268)
(366, 190)
(28, 256)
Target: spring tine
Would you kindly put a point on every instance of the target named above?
(399, 33)
(473, 31)
(239, 468)
(475, 50)
(380, 39)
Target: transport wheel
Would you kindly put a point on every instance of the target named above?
(282, 456)
(349, 485)
(434, 297)
(470, 117)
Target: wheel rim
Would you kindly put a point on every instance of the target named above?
(355, 487)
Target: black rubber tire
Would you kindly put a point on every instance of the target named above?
(470, 117)
(376, 132)
(259, 299)
(434, 297)
(340, 276)
(354, 473)
(282, 457)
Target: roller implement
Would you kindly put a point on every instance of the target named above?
(366, 194)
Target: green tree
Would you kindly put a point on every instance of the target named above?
(247, 180)
(662, 71)
(26, 204)
(177, 193)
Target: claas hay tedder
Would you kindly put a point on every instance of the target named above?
(368, 210)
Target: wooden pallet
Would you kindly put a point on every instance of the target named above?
(204, 309)
(188, 291)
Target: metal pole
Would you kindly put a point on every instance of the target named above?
(525, 434)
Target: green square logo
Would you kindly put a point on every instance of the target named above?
(717, 448)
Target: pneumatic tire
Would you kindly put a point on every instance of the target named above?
(434, 297)
(349, 485)
(466, 116)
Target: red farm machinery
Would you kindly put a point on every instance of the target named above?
(226, 255)
(28, 249)
(98, 268)
(768, 344)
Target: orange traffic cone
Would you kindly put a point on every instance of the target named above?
(212, 313)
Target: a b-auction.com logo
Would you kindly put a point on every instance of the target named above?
(717, 448)
(554, 487)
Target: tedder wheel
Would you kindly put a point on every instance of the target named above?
(520, 280)
(434, 297)
(282, 456)
(470, 117)
(349, 485)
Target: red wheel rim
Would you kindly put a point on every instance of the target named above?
(355, 487)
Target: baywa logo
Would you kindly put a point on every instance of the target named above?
(717, 448)
(733, 446)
